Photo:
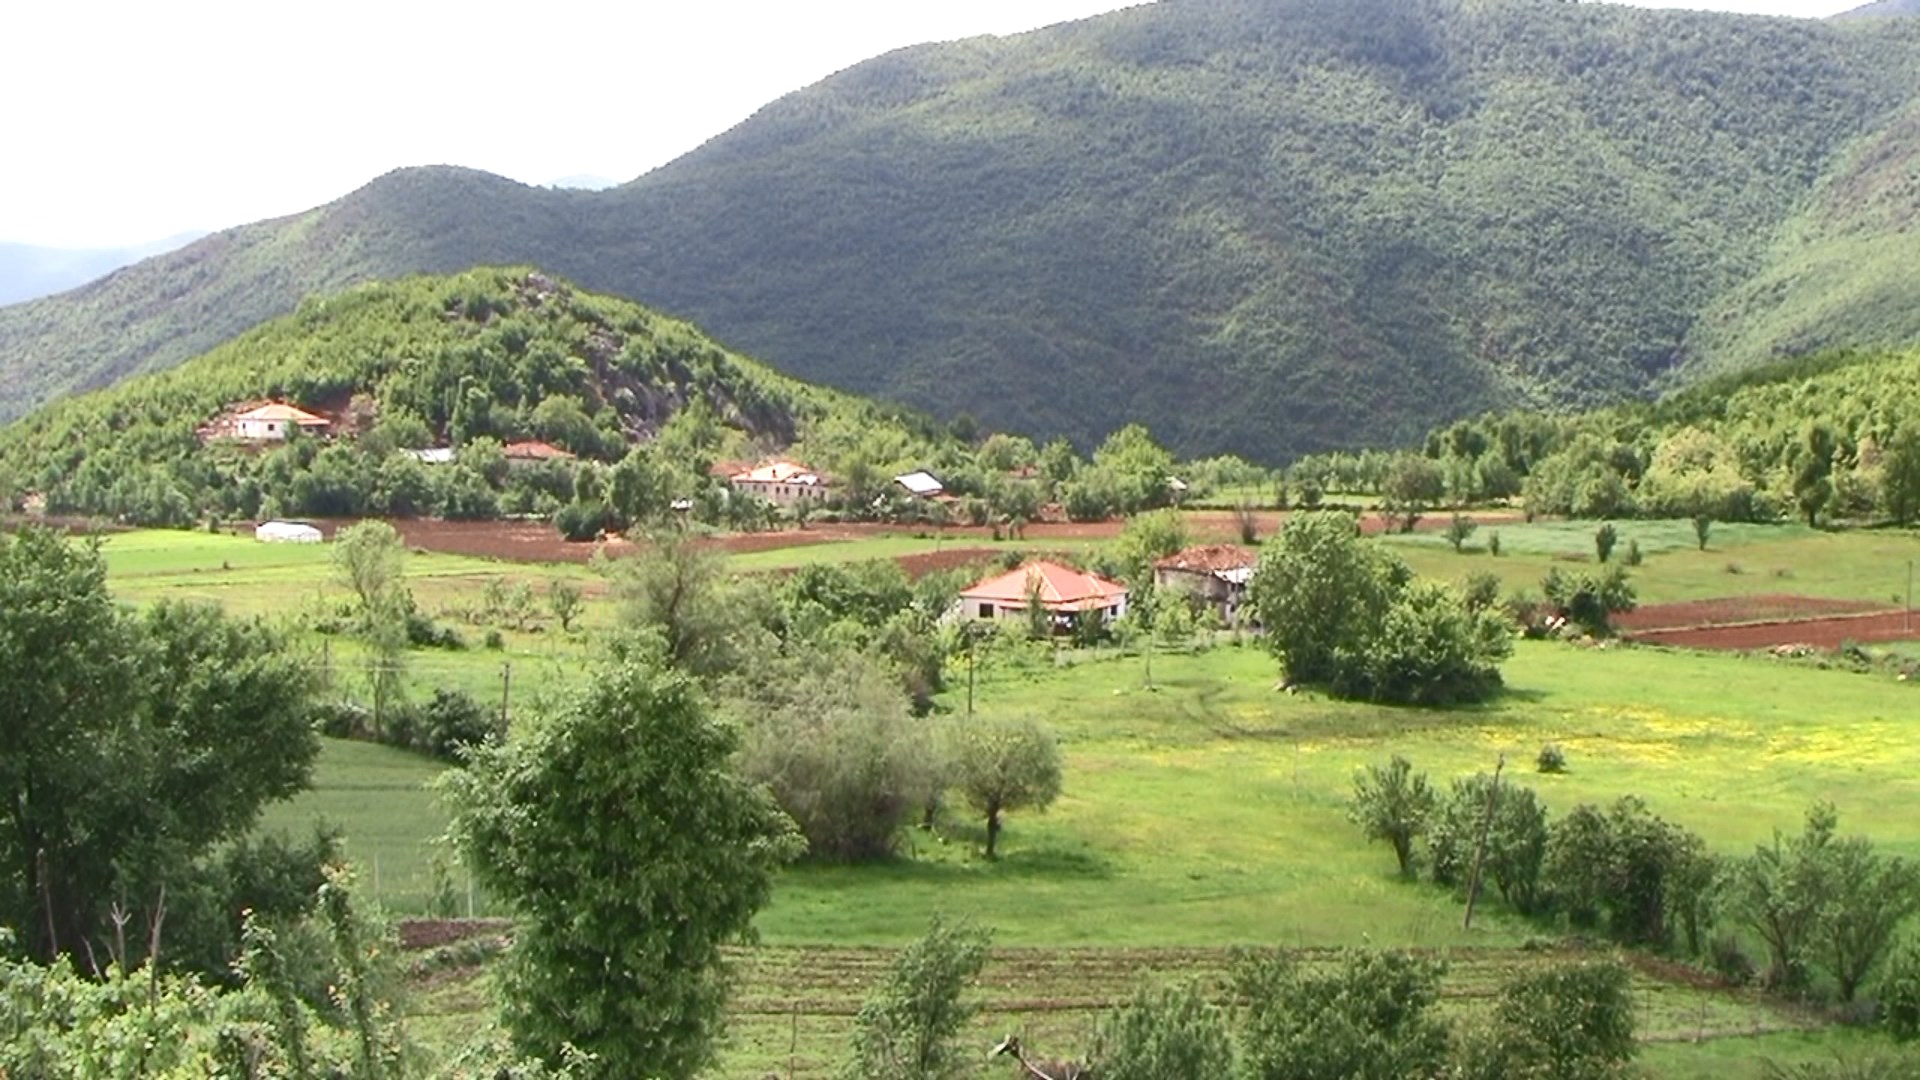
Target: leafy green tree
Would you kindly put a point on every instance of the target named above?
(1140, 468)
(831, 733)
(1412, 486)
(1569, 1022)
(564, 600)
(911, 1027)
(1866, 895)
(1163, 1033)
(1516, 840)
(369, 558)
(1589, 601)
(682, 594)
(1813, 471)
(1899, 996)
(1393, 804)
(1460, 528)
(1900, 476)
(1604, 538)
(1146, 538)
(1625, 865)
(1775, 894)
(1702, 528)
(1002, 766)
(129, 746)
(1370, 1018)
(1346, 614)
(620, 836)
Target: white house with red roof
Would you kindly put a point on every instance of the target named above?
(782, 482)
(275, 422)
(1068, 594)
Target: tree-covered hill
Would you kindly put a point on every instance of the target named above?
(1267, 226)
(472, 361)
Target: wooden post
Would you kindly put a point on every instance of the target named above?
(969, 671)
(326, 665)
(1480, 849)
(506, 685)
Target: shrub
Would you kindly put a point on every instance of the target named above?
(1163, 1032)
(1368, 1019)
(911, 1026)
(1603, 540)
(1460, 527)
(1633, 557)
(1393, 804)
(1493, 543)
(494, 641)
(1702, 528)
(341, 719)
(1587, 600)
(451, 723)
(1552, 759)
(1516, 840)
(1574, 1021)
(1900, 992)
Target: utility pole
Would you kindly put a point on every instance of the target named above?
(1480, 849)
(1909, 616)
(506, 683)
(969, 670)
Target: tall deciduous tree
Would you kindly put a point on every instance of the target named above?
(1006, 765)
(618, 833)
(128, 746)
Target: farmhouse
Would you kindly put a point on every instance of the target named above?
(522, 455)
(275, 421)
(1065, 592)
(286, 532)
(782, 483)
(1216, 574)
(921, 484)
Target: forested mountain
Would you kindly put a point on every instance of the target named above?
(1267, 226)
(28, 271)
(472, 361)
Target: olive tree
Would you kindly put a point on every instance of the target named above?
(1005, 765)
(631, 853)
(911, 1026)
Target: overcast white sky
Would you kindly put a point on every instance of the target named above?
(125, 122)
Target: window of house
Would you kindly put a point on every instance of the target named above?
(986, 611)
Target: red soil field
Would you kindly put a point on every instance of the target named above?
(1722, 611)
(1818, 633)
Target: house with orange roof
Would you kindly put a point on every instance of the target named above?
(532, 452)
(274, 422)
(1214, 574)
(781, 482)
(1068, 594)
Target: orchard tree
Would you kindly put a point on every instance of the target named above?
(1005, 765)
(1368, 1018)
(1900, 476)
(1393, 804)
(1813, 471)
(1162, 1032)
(369, 558)
(619, 834)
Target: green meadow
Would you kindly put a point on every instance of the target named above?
(1205, 809)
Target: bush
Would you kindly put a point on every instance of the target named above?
(425, 633)
(1571, 1022)
(1552, 759)
(1633, 556)
(1493, 543)
(911, 1026)
(1589, 601)
(342, 719)
(1160, 1033)
(1900, 992)
(1368, 1019)
(451, 723)
(494, 641)
(1393, 804)
(1603, 540)
(1516, 841)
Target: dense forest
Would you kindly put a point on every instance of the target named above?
(1823, 437)
(1264, 226)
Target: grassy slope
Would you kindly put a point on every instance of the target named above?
(1363, 217)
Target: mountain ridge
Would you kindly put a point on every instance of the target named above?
(1267, 226)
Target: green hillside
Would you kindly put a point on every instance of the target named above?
(475, 361)
(1267, 226)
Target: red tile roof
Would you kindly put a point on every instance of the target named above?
(1209, 559)
(1061, 588)
(534, 451)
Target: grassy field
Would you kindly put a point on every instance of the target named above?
(1208, 811)
(1740, 560)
